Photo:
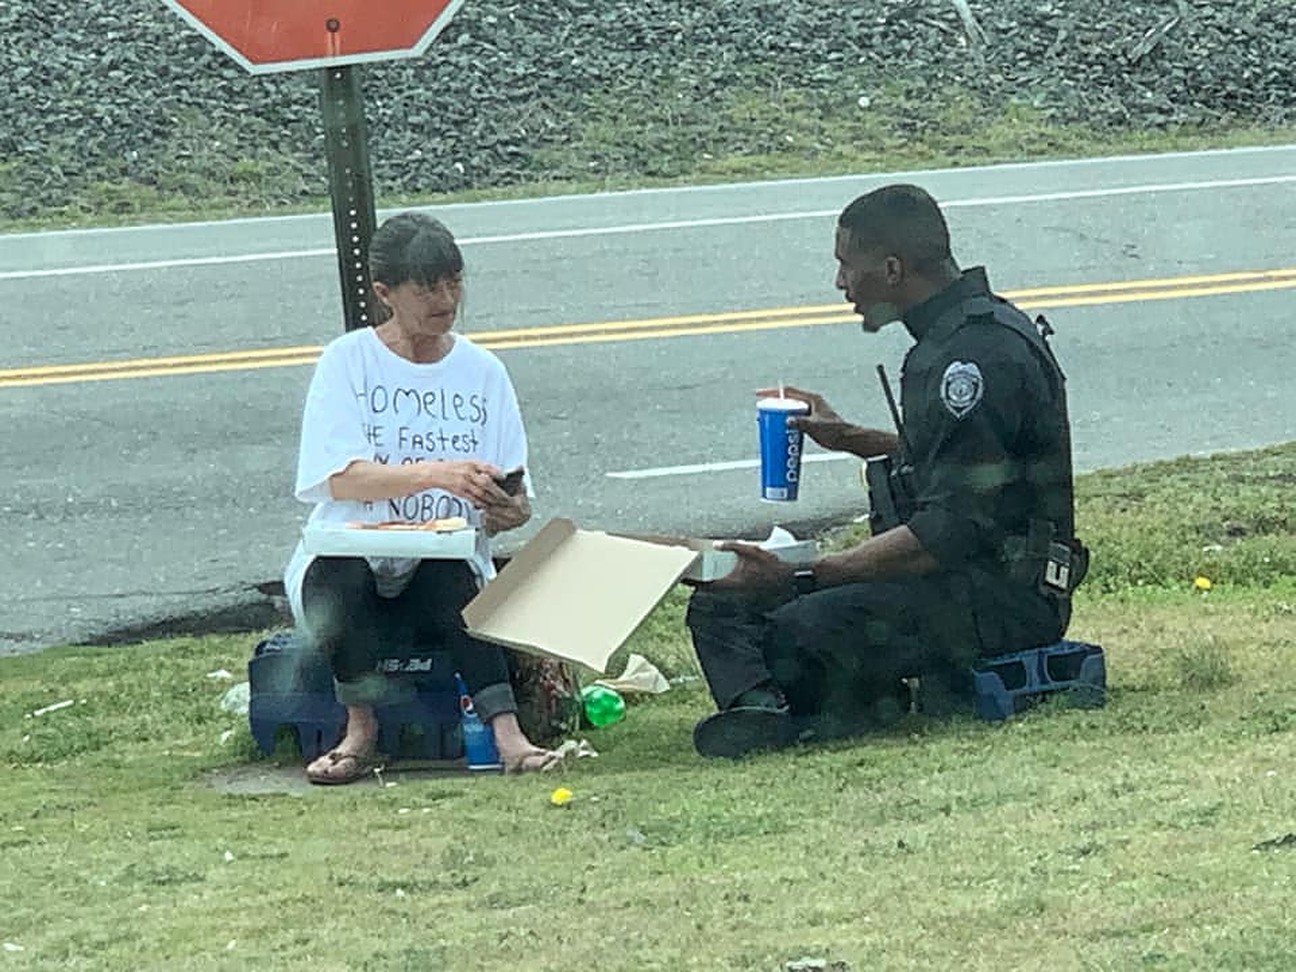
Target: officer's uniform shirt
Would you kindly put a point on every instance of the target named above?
(985, 429)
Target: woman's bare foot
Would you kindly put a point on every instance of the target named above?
(518, 753)
(351, 758)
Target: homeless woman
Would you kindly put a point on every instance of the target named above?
(408, 421)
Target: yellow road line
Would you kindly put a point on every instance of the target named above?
(1144, 295)
(659, 324)
(1075, 295)
(207, 368)
(134, 364)
(540, 340)
(1280, 278)
(1160, 283)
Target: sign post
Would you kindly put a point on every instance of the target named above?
(351, 189)
(335, 36)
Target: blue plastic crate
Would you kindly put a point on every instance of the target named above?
(1007, 684)
(291, 685)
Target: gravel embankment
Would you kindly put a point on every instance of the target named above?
(107, 101)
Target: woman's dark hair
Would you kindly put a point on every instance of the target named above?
(413, 247)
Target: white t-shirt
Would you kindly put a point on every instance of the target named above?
(367, 403)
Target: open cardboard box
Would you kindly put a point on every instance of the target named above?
(575, 594)
(578, 594)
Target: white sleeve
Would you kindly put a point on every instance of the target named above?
(512, 445)
(333, 433)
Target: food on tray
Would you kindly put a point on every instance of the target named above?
(444, 525)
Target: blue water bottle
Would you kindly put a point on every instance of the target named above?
(478, 740)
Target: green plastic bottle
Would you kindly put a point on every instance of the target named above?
(603, 706)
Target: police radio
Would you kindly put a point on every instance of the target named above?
(888, 477)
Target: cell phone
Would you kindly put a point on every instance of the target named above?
(512, 481)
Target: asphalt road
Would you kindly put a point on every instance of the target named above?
(166, 492)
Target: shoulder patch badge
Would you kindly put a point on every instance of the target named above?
(961, 387)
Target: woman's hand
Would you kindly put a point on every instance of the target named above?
(477, 482)
(467, 478)
(508, 515)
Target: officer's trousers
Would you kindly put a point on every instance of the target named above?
(836, 652)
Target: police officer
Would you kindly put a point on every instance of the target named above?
(980, 556)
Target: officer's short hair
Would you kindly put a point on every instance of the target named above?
(903, 220)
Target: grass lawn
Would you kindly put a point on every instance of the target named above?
(1159, 832)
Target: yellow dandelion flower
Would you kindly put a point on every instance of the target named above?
(560, 797)
(1202, 583)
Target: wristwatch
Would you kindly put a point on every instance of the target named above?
(804, 581)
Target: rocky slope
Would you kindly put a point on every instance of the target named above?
(112, 103)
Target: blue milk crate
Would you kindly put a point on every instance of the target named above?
(427, 710)
(290, 684)
(1006, 684)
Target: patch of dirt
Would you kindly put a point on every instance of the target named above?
(263, 779)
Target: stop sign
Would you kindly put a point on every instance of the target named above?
(288, 35)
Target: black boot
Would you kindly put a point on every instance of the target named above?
(757, 720)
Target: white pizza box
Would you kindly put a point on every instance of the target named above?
(340, 540)
(712, 564)
(575, 594)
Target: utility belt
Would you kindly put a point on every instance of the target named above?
(890, 491)
(1040, 559)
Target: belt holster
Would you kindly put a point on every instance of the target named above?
(1054, 566)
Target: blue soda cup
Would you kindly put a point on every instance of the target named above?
(780, 448)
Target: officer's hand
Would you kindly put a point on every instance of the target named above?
(758, 576)
(823, 425)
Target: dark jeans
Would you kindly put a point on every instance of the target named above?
(837, 652)
(354, 627)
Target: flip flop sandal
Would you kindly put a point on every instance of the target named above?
(353, 767)
(545, 761)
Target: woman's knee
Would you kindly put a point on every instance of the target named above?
(334, 591)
